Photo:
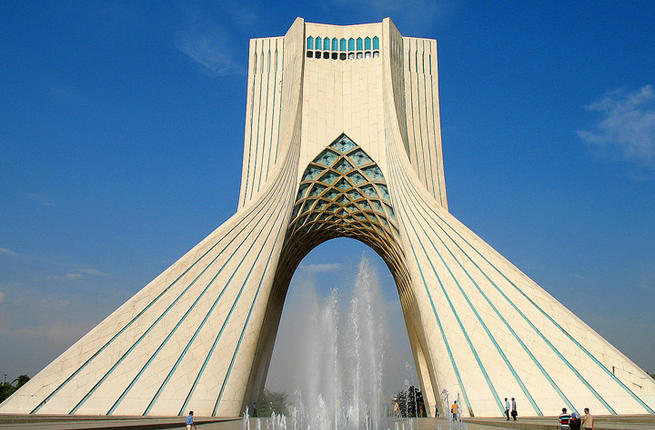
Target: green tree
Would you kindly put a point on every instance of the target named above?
(8, 388)
(271, 401)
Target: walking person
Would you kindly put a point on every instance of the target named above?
(189, 421)
(514, 412)
(453, 409)
(436, 410)
(587, 420)
(507, 408)
(564, 419)
(574, 423)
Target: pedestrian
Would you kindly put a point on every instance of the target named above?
(587, 420)
(564, 419)
(453, 409)
(507, 408)
(436, 410)
(514, 412)
(574, 423)
(189, 421)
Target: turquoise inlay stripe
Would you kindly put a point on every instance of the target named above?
(434, 127)
(136, 378)
(418, 110)
(575, 371)
(427, 132)
(227, 318)
(252, 114)
(268, 84)
(635, 397)
(436, 315)
(163, 314)
(259, 117)
(489, 334)
(36, 409)
(459, 321)
(411, 106)
(270, 143)
(509, 327)
(236, 351)
(182, 355)
(279, 115)
(420, 129)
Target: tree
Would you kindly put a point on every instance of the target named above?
(8, 388)
(270, 402)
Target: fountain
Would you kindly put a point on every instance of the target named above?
(341, 357)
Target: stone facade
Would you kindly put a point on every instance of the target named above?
(342, 139)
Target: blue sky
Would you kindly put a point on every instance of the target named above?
(121, 137)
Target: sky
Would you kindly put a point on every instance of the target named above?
(121, 140)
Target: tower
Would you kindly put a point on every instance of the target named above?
(342, 139)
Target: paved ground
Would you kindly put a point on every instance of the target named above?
(134, 423)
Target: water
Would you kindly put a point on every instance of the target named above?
(341, 358)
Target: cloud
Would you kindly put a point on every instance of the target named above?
(2, 297)
(207, 43)
(73, 276)
(45, 201)
(320, 268)
(8, 251)
(627, 126)
(93, 272)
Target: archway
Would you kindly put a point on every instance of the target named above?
(342, 193)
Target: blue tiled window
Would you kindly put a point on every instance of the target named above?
(310, 42)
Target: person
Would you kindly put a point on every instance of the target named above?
(189, 421)
(514, 412)
(564, 419)
(507, 408)
(421, 411)
(587, 420)
(574, 423)
(453, 409)
(436, 411)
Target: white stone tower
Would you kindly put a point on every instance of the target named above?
(342, 139)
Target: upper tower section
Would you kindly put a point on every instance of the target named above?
(321, 80)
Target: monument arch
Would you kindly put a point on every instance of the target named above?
(345, 143)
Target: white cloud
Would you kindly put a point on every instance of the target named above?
(320, 268)
(207, 43)
(627, 126)
(2, 297)
(8, 251)
(93, 272)
(45, 201)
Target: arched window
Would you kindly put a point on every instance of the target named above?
(310, 42)
(360, 55)
(319, 43)
(359, 44)
(367, 43)
(351, 56)
(376, 43)
(326, 43)
(351, 44)
(342, 44)
(335, 44)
